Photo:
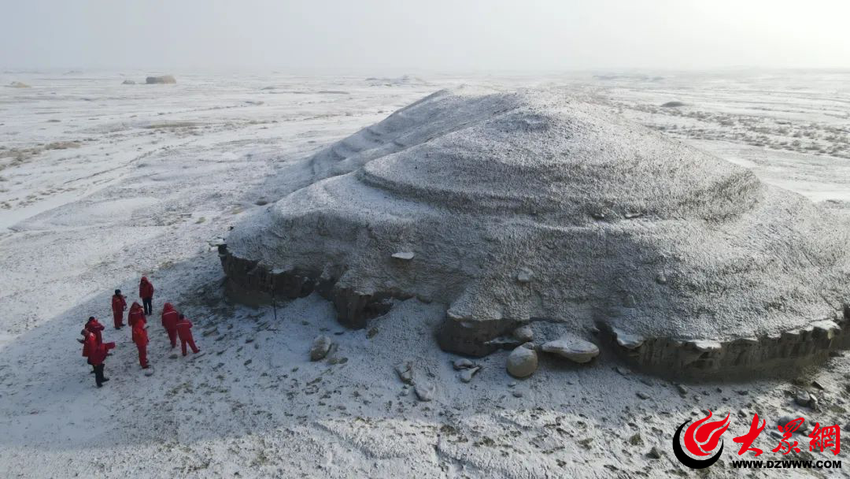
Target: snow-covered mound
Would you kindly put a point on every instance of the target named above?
(535, 207)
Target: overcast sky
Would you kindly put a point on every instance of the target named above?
(433, 35)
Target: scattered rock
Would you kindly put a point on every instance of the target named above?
(655, 453)
(788, 418)
(623, 371)
(524, 275)
(462, 363)
(371, 333)
(320, 348)
(18, 84)
(128, 82)
(404, 255)
(517, 393)
(405, 372)
(524, 333)
(424, 392)
(673, 104)
(661, 278)
(818, 385)
(575, 349)
(643, 396)
(467, 374)
(636, 440)
(337, 360)
(163, 79)
(522, 362)
(803, 398)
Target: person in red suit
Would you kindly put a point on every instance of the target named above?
(97, 355)
(89, 343)
(184, 331)
(94, 326)
(169, 322)
(146, 293)
(119, 305)
(140, 337)
(135, 314)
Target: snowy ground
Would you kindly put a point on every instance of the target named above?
(101, 183)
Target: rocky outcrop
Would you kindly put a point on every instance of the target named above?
(512, 208)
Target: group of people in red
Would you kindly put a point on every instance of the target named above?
(176, 326)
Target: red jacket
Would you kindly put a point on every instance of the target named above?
(169, 317)
(136, 313)
(184, 329)
(89, 343)
(95, 328)
(145, 288)
(140, 334)
(119, 304)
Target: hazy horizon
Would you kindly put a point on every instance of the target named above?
(440, 36)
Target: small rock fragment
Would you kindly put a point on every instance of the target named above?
(802, 398)
(575, 349)
(788, 418)
(522, 362)
(643, 396)
(655, 453)
(524, 275)
(320, 348)
(404, 255)
(405, 372)
(462, 363)
(467, 374)
(424, 392)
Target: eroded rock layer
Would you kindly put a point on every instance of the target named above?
(513, 208)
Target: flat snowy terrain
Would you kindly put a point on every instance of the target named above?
(101, 183)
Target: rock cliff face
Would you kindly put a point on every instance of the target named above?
(535, 207)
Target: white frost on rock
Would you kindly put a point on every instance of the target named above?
(480, 181)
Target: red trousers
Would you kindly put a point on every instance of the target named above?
(143, 354)
(190, 342)
(172, 336)
(118, 318)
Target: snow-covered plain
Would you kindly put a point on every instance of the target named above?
(101, 183)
